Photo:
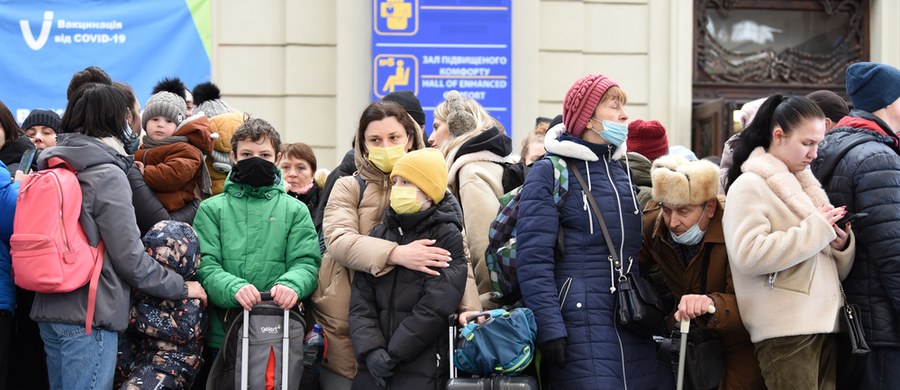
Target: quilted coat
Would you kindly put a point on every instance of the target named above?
(571, 296)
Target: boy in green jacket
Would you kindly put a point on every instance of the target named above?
(253, 236)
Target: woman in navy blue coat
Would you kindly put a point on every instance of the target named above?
(570, 292)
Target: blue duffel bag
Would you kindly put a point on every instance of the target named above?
(502, 344)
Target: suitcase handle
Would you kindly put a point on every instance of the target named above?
(452, 320)
(266, 296)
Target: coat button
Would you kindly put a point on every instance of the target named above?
(578, 305)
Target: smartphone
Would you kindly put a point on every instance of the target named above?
(27, 160)
(851, 218)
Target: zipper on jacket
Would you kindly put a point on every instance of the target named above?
(564, 292)
(621, 356)
(619, 207)
(587, 209)
(771, 280)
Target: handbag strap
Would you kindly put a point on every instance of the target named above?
(593, 203)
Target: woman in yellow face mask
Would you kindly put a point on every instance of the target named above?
(385, 134)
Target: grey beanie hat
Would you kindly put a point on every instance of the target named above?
(165, 104)
(213, 107)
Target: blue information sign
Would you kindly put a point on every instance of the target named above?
(137, 42)
(430, 47)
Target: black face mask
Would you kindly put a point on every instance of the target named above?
(254, 172)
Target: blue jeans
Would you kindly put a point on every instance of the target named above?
(76, 360)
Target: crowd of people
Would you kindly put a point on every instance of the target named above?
(198, 208)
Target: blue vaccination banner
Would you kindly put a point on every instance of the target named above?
(136, 42)
(431, 47)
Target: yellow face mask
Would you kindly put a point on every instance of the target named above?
(404, 201)
(384, 158)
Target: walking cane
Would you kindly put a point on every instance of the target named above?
(685, 328)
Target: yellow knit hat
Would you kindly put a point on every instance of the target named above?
(426, 169)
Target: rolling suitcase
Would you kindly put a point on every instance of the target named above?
(267, 334)
(490, 383)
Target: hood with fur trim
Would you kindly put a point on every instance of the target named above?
(566, 148)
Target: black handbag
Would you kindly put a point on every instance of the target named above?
(638, 305)
(853, 327)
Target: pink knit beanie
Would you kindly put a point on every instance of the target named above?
(581, 101)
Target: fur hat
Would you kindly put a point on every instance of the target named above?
(872, 86)
(165, 104)
(409, 101)
(680, 182)
(648, 138)
(47, 118)
(208, 99)
(174, 244)
(426, 169)
(582, 99)
(460, 121)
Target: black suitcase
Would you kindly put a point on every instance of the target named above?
(492, 383)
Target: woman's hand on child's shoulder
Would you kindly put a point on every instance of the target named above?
(196, 291)
(419, 255)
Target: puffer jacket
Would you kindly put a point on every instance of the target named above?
(859, 165)
(684, 276)
(163, 345)
(347, 223)
(253, 235)
(405, 312)
(8, 193)
(218, 161)
(106, 212)
(11, 154)
(598, 355)
(173, 171)
(476, 179)
(639, 168)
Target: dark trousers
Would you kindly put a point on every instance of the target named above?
(879, 369)
(28, 368)
(6, 327)
(799, 362)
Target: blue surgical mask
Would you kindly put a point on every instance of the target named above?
(613, 132)
(691, 237)
(130, 140)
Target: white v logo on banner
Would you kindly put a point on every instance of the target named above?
(45, 31)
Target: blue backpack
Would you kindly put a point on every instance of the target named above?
(502, 344)
(500, 255)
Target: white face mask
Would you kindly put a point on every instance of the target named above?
(692, 236)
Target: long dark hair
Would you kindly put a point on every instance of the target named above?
(97, 110)
(776, 111)
(11, 129)
(380, 110)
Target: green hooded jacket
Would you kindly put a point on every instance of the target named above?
(257, 235)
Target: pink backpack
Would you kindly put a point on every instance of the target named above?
(50, 252)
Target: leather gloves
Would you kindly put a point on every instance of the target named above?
(554, 351)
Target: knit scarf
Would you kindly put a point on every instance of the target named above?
(205, 180)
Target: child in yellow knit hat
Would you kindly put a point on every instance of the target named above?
(398, 320)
